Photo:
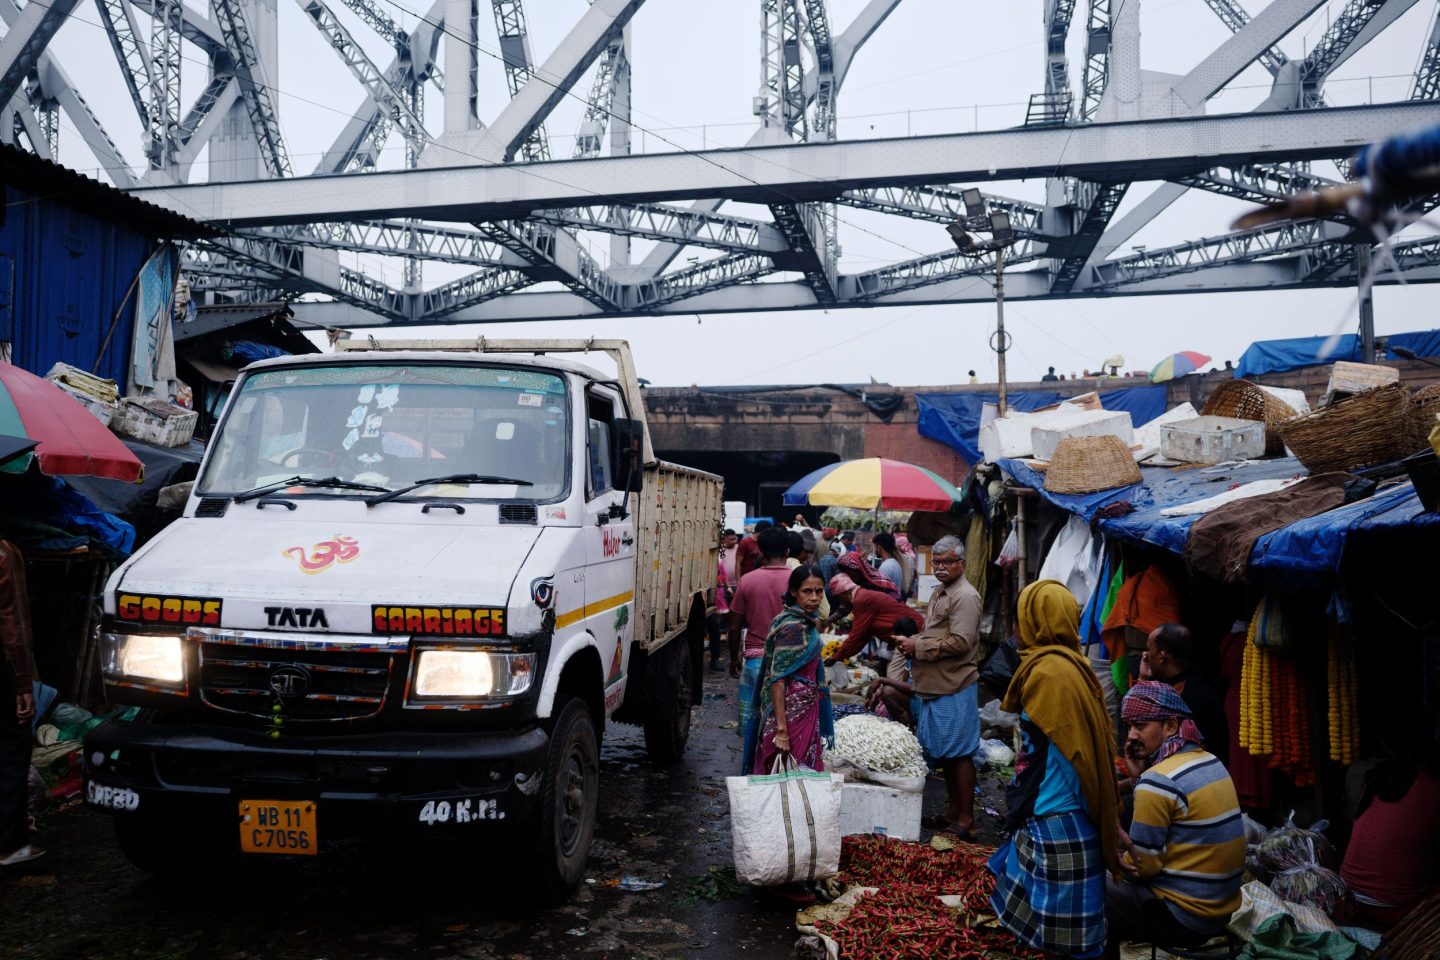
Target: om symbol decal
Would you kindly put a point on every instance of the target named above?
(322, 555)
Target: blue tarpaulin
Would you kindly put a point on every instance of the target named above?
(1276, 356)
(954, 418)
(1316, 544)
(1307, 548)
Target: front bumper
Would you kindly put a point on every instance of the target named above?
(365, 785)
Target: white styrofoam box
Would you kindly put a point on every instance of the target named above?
(1005, 437)
(155, 421)
(1148, 436)
(1080, 423)
(1213, 440)
(1295, 398)
(871, 808)
(1009, 436)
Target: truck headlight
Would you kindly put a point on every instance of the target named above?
(450, 674)
(145, 656)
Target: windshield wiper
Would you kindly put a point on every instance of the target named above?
(305, 482)
(452, 478)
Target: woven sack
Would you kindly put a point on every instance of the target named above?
(1360, 431)
(1088, 464)
(1244, 400)
(1424, 405)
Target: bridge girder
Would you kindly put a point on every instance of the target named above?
(488, 196)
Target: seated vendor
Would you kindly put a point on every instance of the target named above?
(894, 690)
(1170, 656)
(1185, 851)
(1393, 861)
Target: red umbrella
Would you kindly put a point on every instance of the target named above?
(70, 441)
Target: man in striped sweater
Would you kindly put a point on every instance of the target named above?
(1186, 848)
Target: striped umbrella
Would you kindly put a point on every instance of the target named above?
(1177, 365)
(873, 484)
(69, 440)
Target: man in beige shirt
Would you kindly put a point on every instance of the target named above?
(943, 673)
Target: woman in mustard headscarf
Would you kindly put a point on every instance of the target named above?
(1050, 875)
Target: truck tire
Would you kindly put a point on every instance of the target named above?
(168, 848)
(667, 722)
(569, 798)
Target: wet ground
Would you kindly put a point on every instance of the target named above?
(364, 901)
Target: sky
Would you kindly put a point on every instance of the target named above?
(935, 66)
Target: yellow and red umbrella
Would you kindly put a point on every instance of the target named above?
(873, 483)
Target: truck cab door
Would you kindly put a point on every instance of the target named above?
(610, 547)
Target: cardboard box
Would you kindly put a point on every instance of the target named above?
(1351, 378)
(871, 808)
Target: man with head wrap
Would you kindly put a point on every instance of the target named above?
(1050, 875)
(1186, 849)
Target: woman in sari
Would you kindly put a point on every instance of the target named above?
(1050, 875)
(792, 713)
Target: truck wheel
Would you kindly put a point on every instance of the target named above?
(569, 797)
(667, 724)
(167, 848)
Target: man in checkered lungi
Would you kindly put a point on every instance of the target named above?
(1050, 876)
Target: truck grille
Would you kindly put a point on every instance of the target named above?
(310, 685)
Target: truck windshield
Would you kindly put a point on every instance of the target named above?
(389, 425)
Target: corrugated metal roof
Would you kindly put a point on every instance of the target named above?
(33, 174)
(224, 316)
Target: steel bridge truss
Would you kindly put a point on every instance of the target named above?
(559, 245)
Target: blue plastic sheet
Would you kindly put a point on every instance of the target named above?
(1277, 356)
(1307, 549)
(1316, 544)
(954, 418)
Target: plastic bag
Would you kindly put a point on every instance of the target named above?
(1075, 559)
(1310, 884)
(995, 717)
(995, 754)
(1289, 846)
(998, 668)
(1010, 552)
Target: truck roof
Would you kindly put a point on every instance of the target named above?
(409, 356)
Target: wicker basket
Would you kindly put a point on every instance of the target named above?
(1088, 464)
(1244, 400)
(1424, 405)
(1360, 431)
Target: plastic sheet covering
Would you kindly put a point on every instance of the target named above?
(135, 503)
(1309, 548)
(45, 512)
(954, 418)
(1315, 545)
(1277, 356)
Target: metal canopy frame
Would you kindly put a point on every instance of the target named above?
(493, 196)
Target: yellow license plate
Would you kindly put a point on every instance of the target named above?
(278, 826)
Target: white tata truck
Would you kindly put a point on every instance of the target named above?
(412, 584)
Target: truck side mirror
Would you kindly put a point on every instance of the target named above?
(629, 440)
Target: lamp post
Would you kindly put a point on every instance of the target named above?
(1002, 235)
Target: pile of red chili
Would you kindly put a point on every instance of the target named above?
(904, 917)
